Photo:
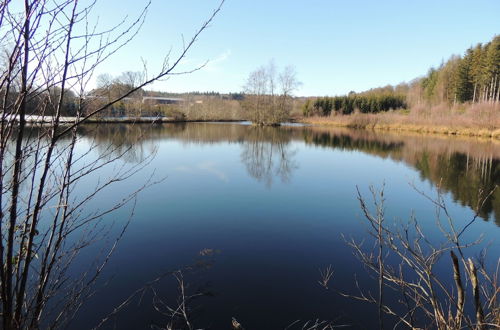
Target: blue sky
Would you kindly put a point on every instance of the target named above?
(335, 46)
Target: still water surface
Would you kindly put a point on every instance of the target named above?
(268, 207)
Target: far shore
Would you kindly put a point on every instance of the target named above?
(378, 122)
(34, 119)
(155, 120)
(386, 123)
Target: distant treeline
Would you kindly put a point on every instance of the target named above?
(462, 80)
(370, 103)
(471, 78)
(224, 96)
(475, 77)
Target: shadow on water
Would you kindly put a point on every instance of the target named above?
(460, 166)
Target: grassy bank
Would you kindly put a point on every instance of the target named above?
(476, 120)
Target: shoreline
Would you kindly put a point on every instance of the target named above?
(404, 127)
(157, 121)
(313, 121)
(39, 120)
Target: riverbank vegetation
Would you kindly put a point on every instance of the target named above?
(176, 106)
(461, 96)
(466, 120)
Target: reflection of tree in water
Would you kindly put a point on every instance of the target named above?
(464, 176)
(266, 154)
(132, 143)
(463, 168)
(348, 142)
(266, 151)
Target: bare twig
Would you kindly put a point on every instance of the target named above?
(326, 275)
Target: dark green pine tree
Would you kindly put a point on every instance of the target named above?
(464, 84)
(477, 70)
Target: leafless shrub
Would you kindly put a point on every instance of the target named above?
(51, 50)
(430, 300)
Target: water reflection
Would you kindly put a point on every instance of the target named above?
(131, 143)
(461, 166)
(267, 154)
(464, 176)
(467, 168)
(266, 151)
(343, 141)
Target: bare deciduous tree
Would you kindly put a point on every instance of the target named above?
(268, 99)
(51, 48)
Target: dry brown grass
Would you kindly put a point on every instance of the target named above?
(469, 120)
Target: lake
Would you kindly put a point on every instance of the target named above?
(251, 214)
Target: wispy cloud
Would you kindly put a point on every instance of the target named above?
(215, 64)
(207, 166)
(210, 167)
